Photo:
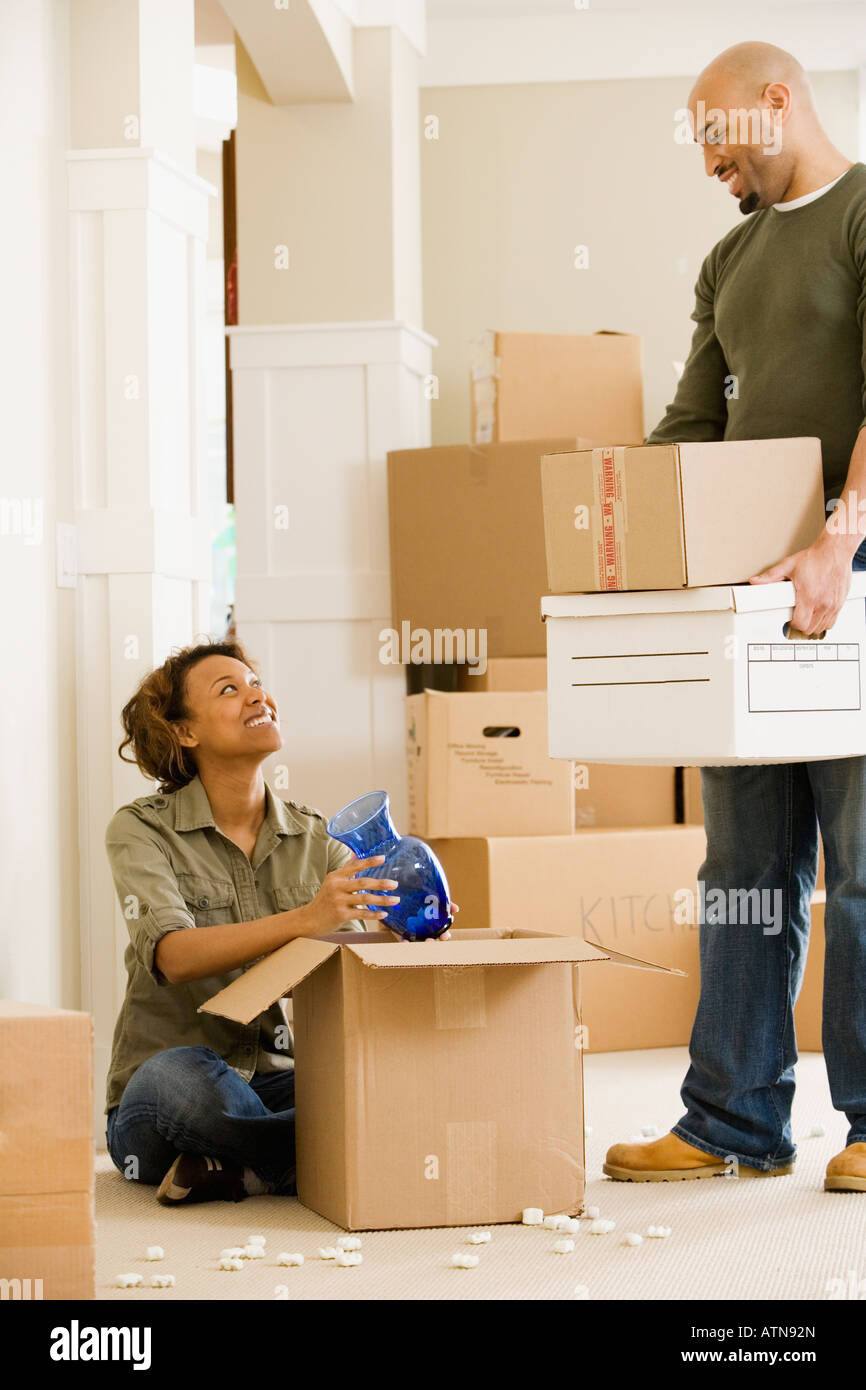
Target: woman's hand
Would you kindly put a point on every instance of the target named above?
(345, 898)
(445, 935)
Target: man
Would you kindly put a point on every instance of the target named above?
(779, 350)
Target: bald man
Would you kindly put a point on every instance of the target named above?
(779, 350)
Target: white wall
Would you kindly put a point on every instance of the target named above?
(39, 945)
(521, 174)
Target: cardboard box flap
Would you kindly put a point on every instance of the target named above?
(752, 598)
(269, 979)
(540, 950)
(627, 601)
(637, 963)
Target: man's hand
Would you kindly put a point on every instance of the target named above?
(821, 575)
(445, 935)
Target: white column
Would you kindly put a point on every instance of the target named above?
(329, 373)
(138, 236)
(316, 409)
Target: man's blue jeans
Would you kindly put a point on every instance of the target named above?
(188, 1100)
(762, 832)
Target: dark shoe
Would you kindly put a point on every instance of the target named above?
(194, 1178)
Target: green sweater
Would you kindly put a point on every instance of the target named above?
(780, 305)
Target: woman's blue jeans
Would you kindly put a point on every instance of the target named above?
(762, 833)
(188, 1100)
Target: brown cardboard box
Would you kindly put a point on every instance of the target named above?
(480, 763)
(820, 885)
(809, 1006)
(504, 673)
(693, 812)
(526, 384)
(436, 1086)
(47, 1245)
(664, 516)
(615, 887)
(46, 1154)
(693, 804)
(467, 547)
(604, 794)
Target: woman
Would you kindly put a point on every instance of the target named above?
(200, 1105)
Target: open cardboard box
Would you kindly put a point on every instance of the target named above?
(438, 1083)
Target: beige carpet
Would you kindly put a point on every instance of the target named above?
(780, 1238)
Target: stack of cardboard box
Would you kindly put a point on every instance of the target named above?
(528, 841)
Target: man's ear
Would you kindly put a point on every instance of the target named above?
(185, 737)
(779, 97)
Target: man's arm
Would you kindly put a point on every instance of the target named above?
(821, 574)
(699, 410)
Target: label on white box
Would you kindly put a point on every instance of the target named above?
(803, 677)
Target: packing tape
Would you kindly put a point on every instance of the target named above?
(580, 1039)
(459, 997)
(575, 991)
(485, 419)
(485, 370)
(483, 361)
(609, 516)
(470, 1170)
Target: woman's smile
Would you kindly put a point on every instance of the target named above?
(256, 721)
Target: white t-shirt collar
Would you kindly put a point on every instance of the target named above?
(807, 197)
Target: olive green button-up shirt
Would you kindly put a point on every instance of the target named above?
(174, 870)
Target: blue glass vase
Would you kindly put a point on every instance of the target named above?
(424, 909)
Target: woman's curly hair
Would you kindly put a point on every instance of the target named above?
(160, 700)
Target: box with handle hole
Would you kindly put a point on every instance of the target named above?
(703, 676)
(479, 765)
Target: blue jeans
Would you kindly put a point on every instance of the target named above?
(762, 833)
(188, 1100)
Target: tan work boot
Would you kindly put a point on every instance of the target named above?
(671, 1159)
(847, 1171)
